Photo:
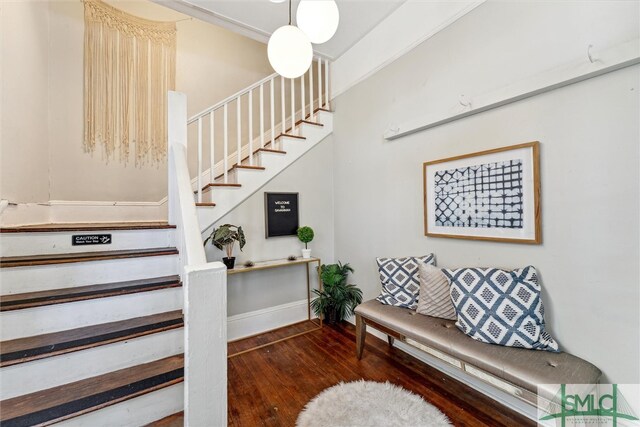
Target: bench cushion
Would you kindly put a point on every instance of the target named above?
(524, 368)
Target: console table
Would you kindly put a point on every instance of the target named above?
(278, 263)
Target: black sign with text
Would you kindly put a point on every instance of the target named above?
(281, 214)
(90, 239)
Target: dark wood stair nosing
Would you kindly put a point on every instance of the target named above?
(219, 185)
(102, 397)
(62, 227)
(309, 122)
(82, 293)
(67, 258)
(249, 167)
(205, 204)
(64, 342)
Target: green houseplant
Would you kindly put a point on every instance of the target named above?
(337, 300)
(305, 235)
(224, 238)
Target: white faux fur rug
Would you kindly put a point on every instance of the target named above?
(369, 404)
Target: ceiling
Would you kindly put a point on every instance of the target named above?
(259, 18)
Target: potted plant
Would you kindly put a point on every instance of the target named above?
(305, 234)
(225, 237)
(337, 300)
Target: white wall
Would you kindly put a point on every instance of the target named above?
(312, 177)
(42, 88)
(589, 134)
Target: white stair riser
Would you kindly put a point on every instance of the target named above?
(60, 317)
(138, 411)
(45, 277)
(226, 200)
(42, 374)
(264, 157)
(23, 244)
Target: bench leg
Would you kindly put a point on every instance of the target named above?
(361, 333)
(391, 340)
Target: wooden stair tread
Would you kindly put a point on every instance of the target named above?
(174, 420)
(309, 122)
(269, 150)
(219, 184)
(70, 400)
(80, 293)
(261, 168)
(205, 204)
(42, 346)
(47, 228)
(290, 136)
(32, 260)
(323, 109)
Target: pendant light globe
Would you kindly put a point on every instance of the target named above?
(318, 19)
(289, 51)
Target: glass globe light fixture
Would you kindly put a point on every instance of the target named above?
(290, 52)
(318, 19)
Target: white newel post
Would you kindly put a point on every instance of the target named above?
(205, 317)
(204, 288)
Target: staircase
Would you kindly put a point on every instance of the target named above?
(90, 336)
(135, 334)
(280, 135)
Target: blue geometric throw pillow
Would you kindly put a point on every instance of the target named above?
(400, 280)
(500, 307)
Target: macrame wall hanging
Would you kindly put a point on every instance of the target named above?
(129, 65)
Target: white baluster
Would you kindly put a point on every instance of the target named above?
(212, 156)
(320, 83)
(326, 83)
(293, 107)
(302, 100)
(284, 111)
(239, 121)
(226, 142)
(262, 116)
(200, 160)
(311, 92)
(251, 127)
(273, 115)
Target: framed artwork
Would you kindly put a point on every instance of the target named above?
(281, 214)
(490, 195)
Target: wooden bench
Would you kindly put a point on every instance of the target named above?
(520, 372)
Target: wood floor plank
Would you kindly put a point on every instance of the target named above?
(288, 374)
(70, 400)
(47, 345)
(174, 420)
(81, 293)
(31, 260)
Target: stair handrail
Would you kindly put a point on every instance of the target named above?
(243, 103)
(204, 287)
(231, 98)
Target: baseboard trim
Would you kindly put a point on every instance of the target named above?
(494, 393)
(255, 322)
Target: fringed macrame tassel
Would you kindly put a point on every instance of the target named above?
(129, 66)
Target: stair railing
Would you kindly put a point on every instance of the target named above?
(204, 288)
(272, 120)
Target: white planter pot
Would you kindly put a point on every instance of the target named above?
(306, 253)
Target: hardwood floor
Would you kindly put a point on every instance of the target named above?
(271, 385)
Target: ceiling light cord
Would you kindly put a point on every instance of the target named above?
(289, 12)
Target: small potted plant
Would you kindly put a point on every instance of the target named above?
(337, 300)
(225, 237)
(305, 234)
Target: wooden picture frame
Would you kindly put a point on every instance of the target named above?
(281, 214)
(491, 195)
